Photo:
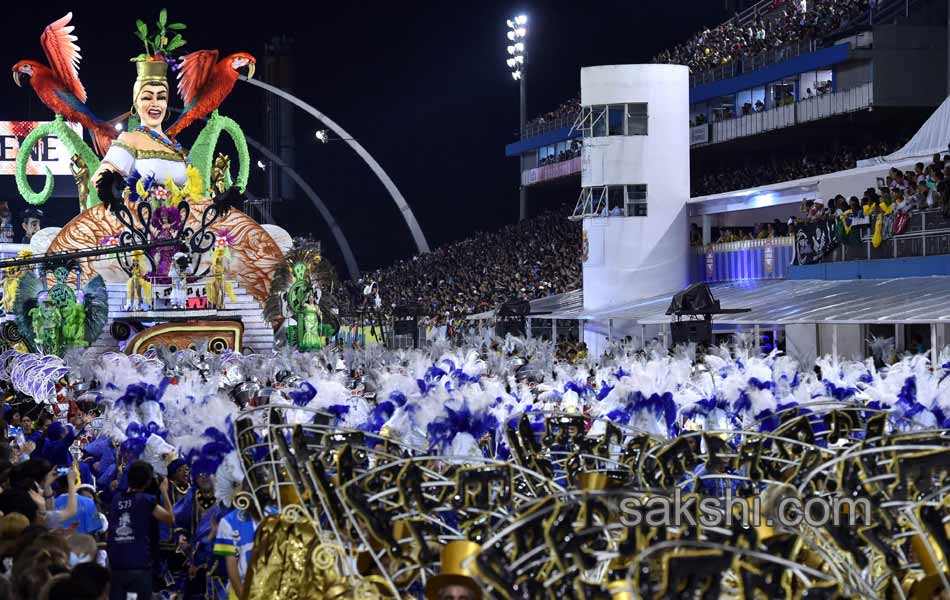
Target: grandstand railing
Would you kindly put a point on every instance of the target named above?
(803, 111)
(533, 129)
(744, 245)
(928, 234)
(757, 61)
(884, 11)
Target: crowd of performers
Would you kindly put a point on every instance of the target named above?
(142, 454)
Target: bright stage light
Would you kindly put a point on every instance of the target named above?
(511, 49)
(322, 136)
(118, 126)
(511, 63)
(260, 165)
(519, 46)
(521, 31)
(510, 24)
(516, 75)
(519, 59)
(521, 19)
(511, 35)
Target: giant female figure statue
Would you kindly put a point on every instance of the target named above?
(145, 150)
(147, 157)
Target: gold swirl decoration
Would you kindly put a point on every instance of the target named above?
(254, 255)
(294, 513)
(243, 500)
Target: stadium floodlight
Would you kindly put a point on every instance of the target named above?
(517, 62)
(260, 165)
(322, 136)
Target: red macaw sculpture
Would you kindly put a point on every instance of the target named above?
(204, 83)
(58, 85)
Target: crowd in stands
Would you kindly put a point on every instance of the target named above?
(923, 188)
(926, 187)
(572, 151)
(104, 524)
(568, 109)
(761, 172)
(531, 259)
(791, 21)
(783, 98)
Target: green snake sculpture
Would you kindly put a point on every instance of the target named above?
(202, 156)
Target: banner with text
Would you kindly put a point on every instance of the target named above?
(553, 171)
(49, 152)
(813, 241)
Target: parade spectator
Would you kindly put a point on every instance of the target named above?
(235, 541)
(86, 518)
(131, 542)
(32, 222)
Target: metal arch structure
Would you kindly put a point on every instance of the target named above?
(350, 260)
(421, 244)
(351, 266)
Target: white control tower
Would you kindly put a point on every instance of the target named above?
(635, 184)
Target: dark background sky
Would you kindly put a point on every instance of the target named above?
(422, 85)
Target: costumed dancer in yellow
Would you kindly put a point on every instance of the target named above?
(11, 280)
(218, 286)
(138, 289)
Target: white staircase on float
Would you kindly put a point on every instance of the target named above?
(258, 335)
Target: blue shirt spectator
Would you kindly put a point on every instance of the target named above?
(87, 514)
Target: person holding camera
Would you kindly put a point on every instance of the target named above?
(133, 522)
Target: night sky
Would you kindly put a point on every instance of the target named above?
(423, 86)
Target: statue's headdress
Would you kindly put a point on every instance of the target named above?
(151, 67)
(149, 72)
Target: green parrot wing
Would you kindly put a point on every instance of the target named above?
(96, 303)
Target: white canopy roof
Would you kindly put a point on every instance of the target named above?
(905, 300)
(932, 137)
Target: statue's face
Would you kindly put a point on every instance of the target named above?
(151, 105)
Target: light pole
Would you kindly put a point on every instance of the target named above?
(518, 63)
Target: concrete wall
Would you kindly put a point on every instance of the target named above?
(910, 65)
(852, 74)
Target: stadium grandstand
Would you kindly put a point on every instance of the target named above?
(816, 149)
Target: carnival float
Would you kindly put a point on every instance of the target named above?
(159, 236)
